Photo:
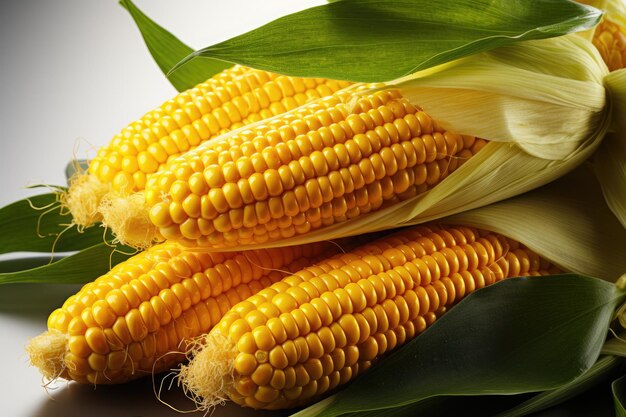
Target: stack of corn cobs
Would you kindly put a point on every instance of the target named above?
(248, 197)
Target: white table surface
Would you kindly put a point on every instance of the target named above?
(72, 74)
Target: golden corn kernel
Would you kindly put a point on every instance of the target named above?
(120, 326)
(308, 170)
(610, 40)
(341, 315)
(223, 102)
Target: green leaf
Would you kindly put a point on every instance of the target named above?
(167, 50)
(445, 406)
(520, 335)
(373, 40)
(34, 301)
(588, 389)
(597, 373)
(39, 224)
(81, 267)
(619, 396)
(76, 166)
(30, 262)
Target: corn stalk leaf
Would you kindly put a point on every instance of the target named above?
(167, 50)
(372, 40)
(81, 267)
(520, 335)
(39, 224)
(619, 396)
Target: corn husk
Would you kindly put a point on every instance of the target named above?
(542, 104)
(610, 159)
(614, 10)
(567, 222)
(610, 168)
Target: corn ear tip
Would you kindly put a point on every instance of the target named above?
(83, 198)
(47, 351)
(128, 218)
(209, 376)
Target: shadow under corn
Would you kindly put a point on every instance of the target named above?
(133, 399)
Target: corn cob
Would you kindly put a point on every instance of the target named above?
(356, 154)
(321, 327)
(341, 169)
(231, 99)
(610, 39)
(125, 324)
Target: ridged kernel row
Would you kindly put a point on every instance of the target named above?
(275, 132)
(610, 39)
(181, 100)
(324, 325)
(360, 155)
(120, 326)
(238, 97)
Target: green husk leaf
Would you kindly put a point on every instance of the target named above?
(27, 262)
(567, 222)
(506, 405)
(604, 367)
(372, 40)
(446, 406)
(39, 224)
(76, 166)
(81, 267)
(167, 50)
(619, 396)
(520, 335)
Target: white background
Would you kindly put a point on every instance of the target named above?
(72, 74)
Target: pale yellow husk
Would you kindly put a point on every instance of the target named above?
(610, 159)
(567, 222)
(610, 167)
(614, 10)
(543, 105)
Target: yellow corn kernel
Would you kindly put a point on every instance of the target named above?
(226, 101)
(610, 39)
(341, 315)
(193, 117)
(119, 327)
(308, 169)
